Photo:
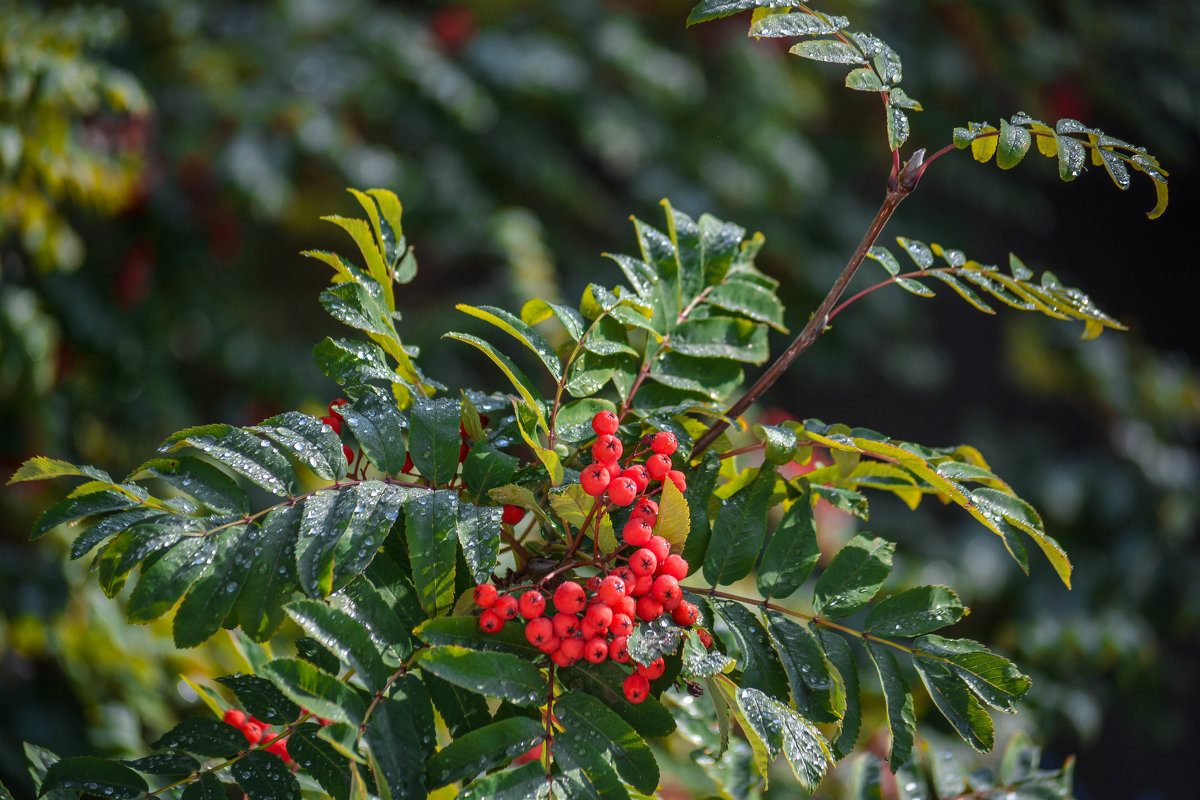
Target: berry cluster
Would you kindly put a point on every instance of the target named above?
(255, 731)
(623, 485)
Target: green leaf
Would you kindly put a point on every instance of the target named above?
(397, 753)
(162, 764)
(263, 776)
(249, 456)
(77, 507)
(431, 526)
(211, 598)
(260, 697)
(320, 759)
(272, 577)
(487, 468)
(699, 661)
(203, 736)
(699, 489)
(829, 50)
(208, 787)
(462, 710)
(738, 531)
(585, 770)
(759, 665)
(111, 525)
(529, 421)
(573, 506)
(721, 337)
(199, 480)
(809, 673)
(482, 749)
(791, 552)
(375, 610)
(478, 532)
(606, 731)
(915, 611)
(780, 728)
(311, 442)
(854, 576)
(94, 776)
(649, 718)
(864, 79)
(465, 632)
(360, 515)
(1012, 145)
(713, 378)
(319, 692)
(995, 679)
(520, 331)
(349, 362)
(796, 24)
(842, 658)
(40, 467)
(344, 637)
(573, 423)
(490, 674)
(378, 425)
(780, 443)
(434, 438)
(749, 300)
(165, 581)
(525, 782)
(538, 310)
(957, 704)
(901, 717)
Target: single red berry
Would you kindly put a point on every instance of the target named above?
(622, 491)
(573, 646)
(348, 453)
(590, 630)
(599, 615)
(664, 443)
(550, 645)
(323, 721)
(679, 479)
(666, 591)
(638, 475)
(565, 625)
(539, 631)
(636, 687)
(658, 466)
(511, 514)
(646, 509)
(335, 423)
(252, 732)
(485, 595)
(560, 658)
(605, 423)
(675, 566)
(607, 449)
(464, 450)
(593, 583)
(643, 562)
(596, 650)
(643, 585)
(685, 614)
(234, 717)
(618, 649)
(531, 604)
(661, 549)
(621, 625)
(505, 606)
(705, 637)
(653, 670)
(614, 469)
(279, 748)
(648, 609)
(490, 621)
(626, 575)
(612, 590)
(594, 479)
(570, 598)
(627, 606)
(637, 532)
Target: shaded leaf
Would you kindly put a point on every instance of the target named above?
(94, 776)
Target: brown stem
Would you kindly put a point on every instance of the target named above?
(816, 323)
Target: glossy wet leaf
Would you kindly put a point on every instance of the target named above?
(915, 611)
(248, 455)
(604, 729)
(93, 775)
(211, 599)
(434, 438)
(650, 718)
(758, 663)
(956, 702)
(482, 749)
(738, 531)
(431, 530)
(263, 776)
(203, 736)
(899, 701)
(492, 674)
(342, 635)
(321, 760)
(85, 505)
(842, 658)
(995, 679)
(308, 440)
(854, 576)
(164, 764)
(487, 468)
(261, 699)
(523, 783)
(809, 673)
(781, 728)
(336, 525)
(164, 582)
(375, 421)
(791, 552)
(319, 692)
(199, 480)
(272, 575)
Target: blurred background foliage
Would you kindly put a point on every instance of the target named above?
(162, 162)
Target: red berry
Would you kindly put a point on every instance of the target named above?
(607, 449)
(594, 479)
(675, 566)
(511, 514)
(638, 475)
(531, 604)
(626, 575)
(573, 646)
(661, 549)
(593, 583)
(705, 637)
(643, 562)
(664, 443)
(539, 631)
(653, 670)
(646, 509)
(335, 405)
(532, 754)
(685, 614)
(676, 477)
(637, 532)
(570, 598)
(252, 732)
(605, 423)
(560, 658)
(590, 630)
(636, 687)
(335, 423)
(648, 609)
(505, 606)
(658, 466)
(622, 491)
(234, 717)
(627, 606)
(550, 645)
(485, 595)
(464, 450)
(596, 650)
(612, 590)
(408, 463)
(614, 469)
(643, 585)
(279, 748)
(618, 649)
(666, 591)
(621, 625)
(348, 453)
(490, 621)
(599, 615)
(565, 625)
